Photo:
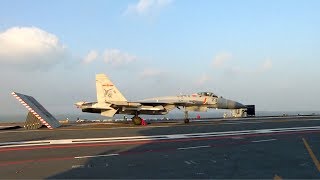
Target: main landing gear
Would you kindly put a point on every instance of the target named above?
(136, 120)
(186, 117)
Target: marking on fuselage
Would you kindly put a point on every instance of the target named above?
(205, 101)
(107, 84)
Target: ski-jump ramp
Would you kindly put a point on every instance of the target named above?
(37, 115)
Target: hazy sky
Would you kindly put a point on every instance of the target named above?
(262, 52)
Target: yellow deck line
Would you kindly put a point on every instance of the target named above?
(313, 157)
(276, 177)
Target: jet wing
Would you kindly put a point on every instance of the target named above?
(151, 104)
(176, 103)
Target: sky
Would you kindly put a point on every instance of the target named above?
(264, 52)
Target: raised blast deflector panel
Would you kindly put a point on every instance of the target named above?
(32, 122)
(37, 110)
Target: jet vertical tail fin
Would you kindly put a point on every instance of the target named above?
(106, 90)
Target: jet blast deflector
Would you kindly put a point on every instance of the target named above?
(37, 115)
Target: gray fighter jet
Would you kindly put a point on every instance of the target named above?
(110, 101)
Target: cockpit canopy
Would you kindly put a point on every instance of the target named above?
(207, 94)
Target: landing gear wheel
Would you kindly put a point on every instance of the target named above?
(186, 117)
(136, 120)
(186, 121)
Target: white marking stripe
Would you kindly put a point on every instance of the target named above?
(264, 140)
(193, 147)
(62, 141)
(103, 155)
(160, 137)
(77, 166)
(187, 162)
(176, 136)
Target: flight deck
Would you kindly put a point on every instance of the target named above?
(268, 147)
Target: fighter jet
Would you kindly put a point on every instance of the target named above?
(110, 101)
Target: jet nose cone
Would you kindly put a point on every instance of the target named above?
(235, 105)
(239, 105)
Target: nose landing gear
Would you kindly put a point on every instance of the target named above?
(136, 120)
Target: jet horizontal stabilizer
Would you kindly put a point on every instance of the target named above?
(109, 113)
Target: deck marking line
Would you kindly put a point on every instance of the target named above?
(103, 155)
(77, 166)
(276, 177)
(200, 124)
(264, 140)
(313, 157)
(157, 137)
(193, 147)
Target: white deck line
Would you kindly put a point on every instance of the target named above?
(154, 138)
